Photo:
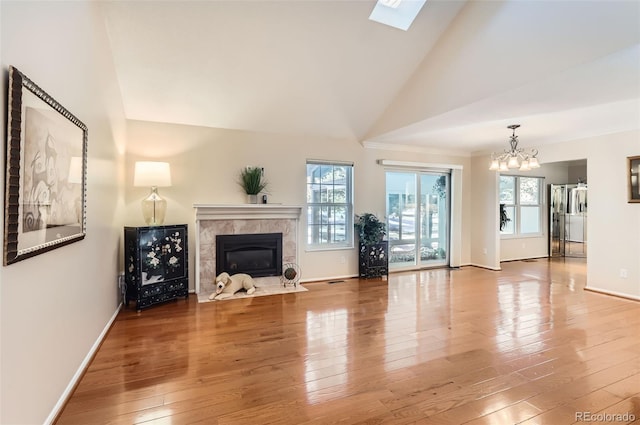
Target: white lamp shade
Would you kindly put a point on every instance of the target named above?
(533, 163)
(513, 162)
(495, 165)
(151, 173)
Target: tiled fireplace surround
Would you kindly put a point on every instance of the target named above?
(213, 220)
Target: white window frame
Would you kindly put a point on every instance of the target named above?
(517, 208)
(348, 205)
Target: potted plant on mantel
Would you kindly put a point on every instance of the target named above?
(373, 255)
(253, 182)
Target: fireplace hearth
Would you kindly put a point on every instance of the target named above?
(257, 254)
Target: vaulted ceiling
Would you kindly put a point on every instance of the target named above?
(462, 72)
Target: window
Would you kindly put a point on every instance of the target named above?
(418, 215)
(522, 200)
(396, 13)
(329, 205)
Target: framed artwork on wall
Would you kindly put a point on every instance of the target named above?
(45, 180)
(633, 168)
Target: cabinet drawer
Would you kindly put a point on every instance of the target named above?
(151, 290)
(177, 285)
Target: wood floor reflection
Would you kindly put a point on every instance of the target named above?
(524, 345)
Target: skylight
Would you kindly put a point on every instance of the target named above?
(396, 13)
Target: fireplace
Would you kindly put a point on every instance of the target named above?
(213, 220)
(257, 254)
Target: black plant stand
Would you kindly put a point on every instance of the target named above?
(374, 260)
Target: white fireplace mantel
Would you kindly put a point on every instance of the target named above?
(246, 211)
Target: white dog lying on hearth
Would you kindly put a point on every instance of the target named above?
(227, 285)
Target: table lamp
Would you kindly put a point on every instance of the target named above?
(154, 174)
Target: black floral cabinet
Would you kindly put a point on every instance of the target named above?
(374, 260)
(156, 268)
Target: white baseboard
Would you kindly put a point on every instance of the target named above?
(522, 258)
(613, 293)
(322, 279)
(497, 269)
(83, 366)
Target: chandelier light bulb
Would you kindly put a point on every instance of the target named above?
(513, 162)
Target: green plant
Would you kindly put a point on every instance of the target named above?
(370, 229)
(504, 218)
(440, 187)
(251, 180)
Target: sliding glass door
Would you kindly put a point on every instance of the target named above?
(418, 218)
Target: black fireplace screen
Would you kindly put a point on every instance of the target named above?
(257, 254)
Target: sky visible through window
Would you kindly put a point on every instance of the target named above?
(397, 13)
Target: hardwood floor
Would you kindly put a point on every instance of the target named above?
(525, 345)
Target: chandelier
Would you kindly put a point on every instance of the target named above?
(515, 157)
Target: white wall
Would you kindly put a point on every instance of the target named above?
(614, 225)
(54, 306)
(205, 163)
(484, 235)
